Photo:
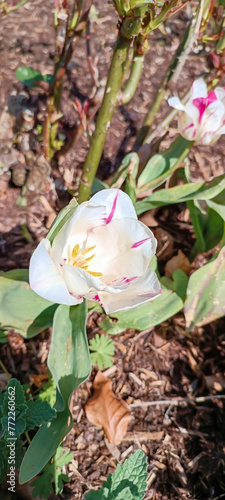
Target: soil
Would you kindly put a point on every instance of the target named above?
(184, 443)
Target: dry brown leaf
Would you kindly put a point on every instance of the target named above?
(105, 410)
(179, 261)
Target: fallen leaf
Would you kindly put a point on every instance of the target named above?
(179, 261)
(105, 410)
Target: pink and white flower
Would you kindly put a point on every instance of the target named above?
(202, 119)
(102, 253)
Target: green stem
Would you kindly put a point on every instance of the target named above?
(7, 10)
(104, 117)
(133, 79)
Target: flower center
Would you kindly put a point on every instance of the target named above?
(78, 258)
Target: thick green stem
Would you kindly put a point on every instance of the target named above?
(104, 117)
(133, 79)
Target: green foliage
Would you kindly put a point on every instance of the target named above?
(162, 165)
(145, 315)
(22, 309)
(32, 77)
(69, 363)
(205, 293)
(102, 348)
(48, 392)
(3, 336)
(129, 481)
(42, 485)
(179, 194)
(18, 415)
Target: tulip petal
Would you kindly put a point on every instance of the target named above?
(212, 118)
(144, 289)
(176, 103)
(123, 249)
(199, 89)
(118, 204)
(45, 278)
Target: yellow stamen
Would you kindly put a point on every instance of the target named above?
(89, 258)
(95, 274)
(75, 251)
(84, 267)
(86, 250)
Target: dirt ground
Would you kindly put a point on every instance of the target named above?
(184, 443)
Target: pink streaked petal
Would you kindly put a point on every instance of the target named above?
(110, 216)
(138, 243)
(128, 280)
(189, 126)
(202, 103)
(124, 205)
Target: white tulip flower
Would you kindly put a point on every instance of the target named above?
(102, 253)
(202, 119)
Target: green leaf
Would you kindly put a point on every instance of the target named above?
(13, 410)
(4, 453)
(48, 392)
(63, 216)
(162, 165)
(31, 77)
(102, 348)
(178, 284)
(145, 315)
(128, 482)
(3, 336)
(205, 293)
(38, 454)
(69, 358)
(17, 274)
(199, 222)
(179, 194)
(22, 309)
(52, 471)
(69, 363)
(98, 185)
(38, 412)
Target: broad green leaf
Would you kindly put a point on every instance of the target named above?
(205, 293)
(128, 482)
(178, 194)
(214, 229)
(32, 77)
(161, 165)
(69, 363)
(198, 220)
(69, 358)
(22, 309)
(44, 444)
(38, 412)
(217, 207)
(16, 274)
(63, 216)
(145, 315)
